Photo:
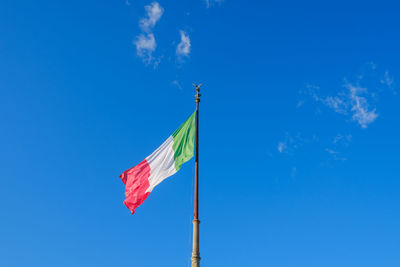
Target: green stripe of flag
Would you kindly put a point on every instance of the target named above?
(183, 145)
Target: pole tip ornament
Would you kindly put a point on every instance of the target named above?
(198, 95)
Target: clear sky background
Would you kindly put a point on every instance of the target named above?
(299, 149)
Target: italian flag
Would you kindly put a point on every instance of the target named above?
(165, 161)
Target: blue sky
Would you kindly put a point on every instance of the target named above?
(299, 131)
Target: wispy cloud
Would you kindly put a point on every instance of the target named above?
(351, 101)
(145, 42)
(331, 151)
(356, 99)
(145, 46)
(183, 48)
(153, 14)
(291, 143)
(282, 147)
(388, 80)
(300, 103)
(337, 103)
(210, 3)
(339, 142)
(177, 84)
(362, 113)
(342, 139)
(335, 154)
(372, 65)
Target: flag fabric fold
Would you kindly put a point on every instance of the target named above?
(163, 162)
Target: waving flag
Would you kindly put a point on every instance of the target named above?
(165, 161)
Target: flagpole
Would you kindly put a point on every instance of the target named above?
(196, 250)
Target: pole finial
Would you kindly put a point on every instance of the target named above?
(198, 95)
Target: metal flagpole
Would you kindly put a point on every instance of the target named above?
(196, 222)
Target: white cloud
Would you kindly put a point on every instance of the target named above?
(339, 142)
(153, 14)
(209, 3)
(300, 103)
(388, 80)
(291, 143)
(337, 138)
(282, 147)
(183, 48)
(353, 100)
(336, 103)
(145, 46)
(145, 42)
(335, 154)
(360, 106)
(331, 151)
(372, 65)
(177, 84)
(342, 139)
